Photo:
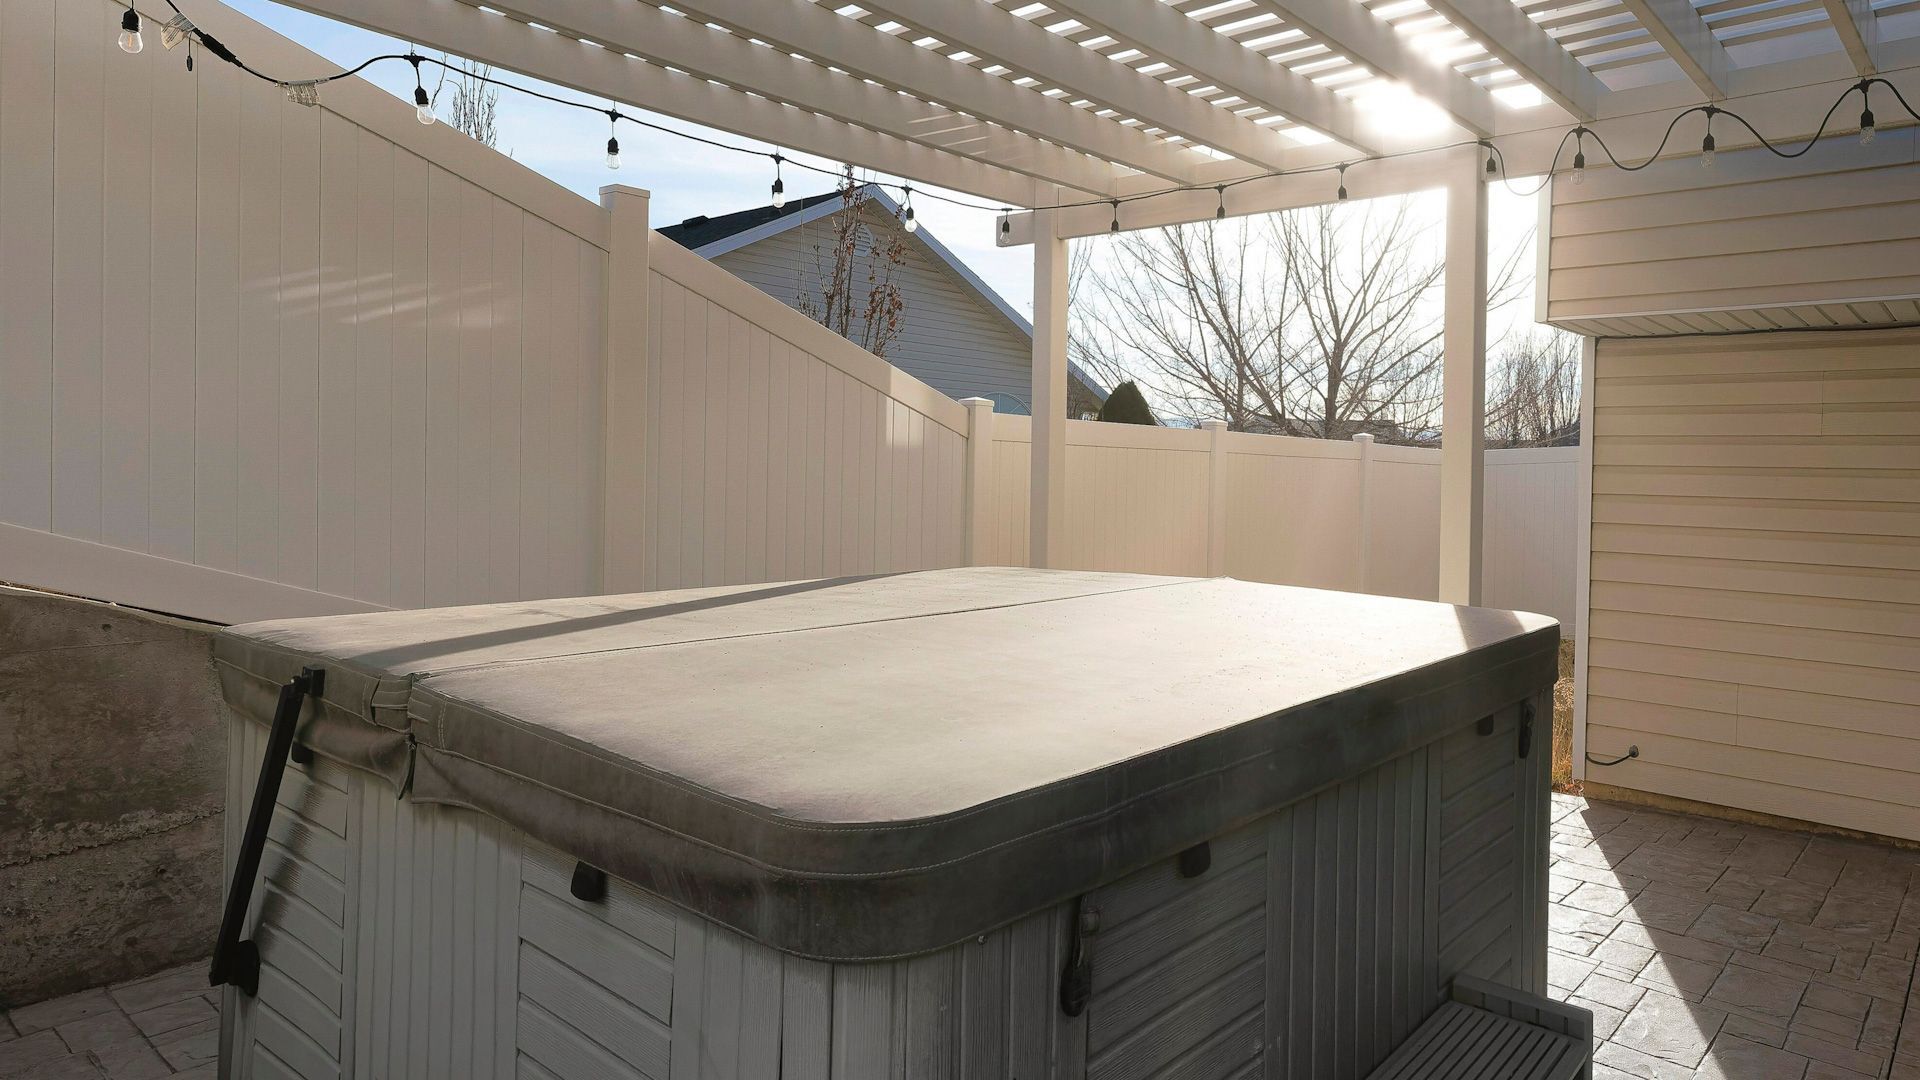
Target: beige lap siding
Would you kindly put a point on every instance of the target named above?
(1755, 611)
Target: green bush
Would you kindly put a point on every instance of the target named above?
(1126, 406)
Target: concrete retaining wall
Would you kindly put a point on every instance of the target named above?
(112, 766)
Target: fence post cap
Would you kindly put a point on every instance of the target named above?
(977, 402)
(1214, 425)
(608, 191)
(1363, 438)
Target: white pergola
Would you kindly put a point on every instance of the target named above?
(1037, 105)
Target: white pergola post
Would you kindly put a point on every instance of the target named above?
(624, 423)
(1464, 406)
(1049, 518)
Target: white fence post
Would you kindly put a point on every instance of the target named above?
(624, 467)
(1363, 551)
(1216, 497)
(979, 461)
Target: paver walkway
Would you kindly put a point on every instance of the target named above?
(1712, 949)
(1705, 949)
(163, 1025)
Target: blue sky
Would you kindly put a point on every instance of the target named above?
(687, 178)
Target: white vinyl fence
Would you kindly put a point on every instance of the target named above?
(1334, 515)
(261, 360)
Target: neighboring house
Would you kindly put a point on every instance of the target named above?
(957, 335)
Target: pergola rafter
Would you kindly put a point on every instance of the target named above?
(1509, 34)
(1688, 40)
(816, 32)
(1163, 31)
(1056, 62)
(511, 45)
(1373, 42)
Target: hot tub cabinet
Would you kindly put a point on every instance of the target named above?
(961, 823)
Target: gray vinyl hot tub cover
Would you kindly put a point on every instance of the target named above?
(872, 767)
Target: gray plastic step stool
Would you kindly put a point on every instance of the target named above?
(1493, 1032)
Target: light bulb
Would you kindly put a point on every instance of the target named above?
(1867, 131)
(130, 41)
(613, 153)
(912, 225)
(1220, 212)
(1580, 168)
(1343, 184)
(422, 107)
(1706, 151)
(779, 193)
(1115, 227)
(1006, 223)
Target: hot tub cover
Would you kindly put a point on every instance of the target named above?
(873, 767)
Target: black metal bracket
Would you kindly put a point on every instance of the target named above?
(1526, 728)
(1076, 979)
(1196, 860)
(236, 961)
(589, 883)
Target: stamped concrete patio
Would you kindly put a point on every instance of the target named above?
(1712, 949)
(162, 1025)
(1704, 948)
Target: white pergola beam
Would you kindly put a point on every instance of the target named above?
(1348, 28)
(1014, 42)
(1510, 35)
(817, 32)
(513, 46)
(1156, 28)
(1688, 41)
(1859, 34)
(691, 45)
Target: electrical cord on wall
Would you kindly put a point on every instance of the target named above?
(1632, 752)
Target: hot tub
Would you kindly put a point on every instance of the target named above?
(982, 822)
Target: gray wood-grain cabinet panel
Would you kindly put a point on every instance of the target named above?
(412, 939)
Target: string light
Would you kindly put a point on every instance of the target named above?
(906, 209)
(422, 105)
(130, 41)
(180, 29)
(1220, 213)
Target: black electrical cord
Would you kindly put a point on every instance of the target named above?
(1632, 752)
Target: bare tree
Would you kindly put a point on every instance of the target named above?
(474, 109)
(1321, 322)
(1533, 391)
(858, 298)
